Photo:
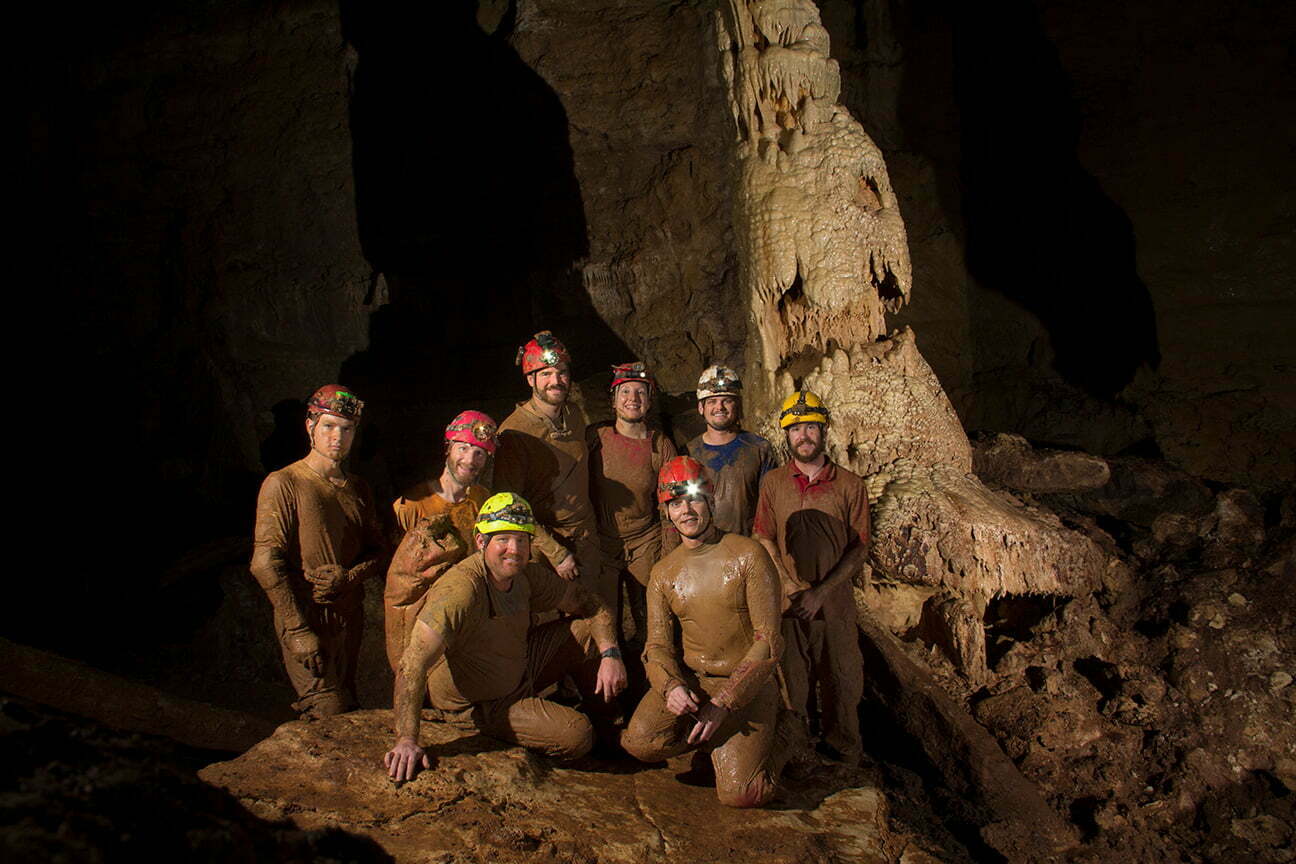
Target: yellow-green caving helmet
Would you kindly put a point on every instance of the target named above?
(803, 406)
(505, 511)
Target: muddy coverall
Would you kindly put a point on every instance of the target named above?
(548, 465)
(632, 533)
(813, 524)
(724, 598)
(495, 663)
(305, 522)
(735, 470)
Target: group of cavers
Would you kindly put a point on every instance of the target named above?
(724, 578)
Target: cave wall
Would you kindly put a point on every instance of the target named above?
(1099, 213)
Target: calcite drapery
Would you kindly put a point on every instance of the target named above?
(823, 257)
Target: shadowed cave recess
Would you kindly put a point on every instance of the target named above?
(238, 202)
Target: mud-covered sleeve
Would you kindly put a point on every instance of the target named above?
(450, 607)
(405, 514)
(275, 532)
(764, 605)
(580, 602)
(768, 460)
(659, 658)
(859, 514)
(764, 524)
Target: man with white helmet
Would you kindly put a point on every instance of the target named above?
(317, 539)
(813, 519)
(735, 459)
(481, 662)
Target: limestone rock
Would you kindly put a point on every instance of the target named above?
(484, 801)
(1009, 460)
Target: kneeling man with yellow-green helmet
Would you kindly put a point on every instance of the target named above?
(482, 663)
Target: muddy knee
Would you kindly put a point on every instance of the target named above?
(324, 704)
(573, 741)
(756, 793)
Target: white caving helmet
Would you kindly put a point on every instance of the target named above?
(718, 380)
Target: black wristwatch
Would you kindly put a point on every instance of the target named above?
(614, 652)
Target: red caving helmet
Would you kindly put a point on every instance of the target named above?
(473, 427)
(682, 475)
(542, 351)
(336, 400)
(636, 371)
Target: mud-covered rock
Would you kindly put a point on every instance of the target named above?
(485, 801)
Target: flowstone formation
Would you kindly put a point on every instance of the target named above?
(823, 257)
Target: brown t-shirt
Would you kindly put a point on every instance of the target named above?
(725, 598)
(735, 470)
(623, 474)
(485, 630)
(547, 464)
(812, 522)
(304, 521)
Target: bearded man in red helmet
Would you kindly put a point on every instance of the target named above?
(714, 642)
(437, 517)
(625, 456)
(543, 457)
(317, 539)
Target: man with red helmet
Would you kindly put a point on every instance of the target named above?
(437, 516)
(813, 519)
(543, 457)
(717, 596)
(625, 456)
(317, 539)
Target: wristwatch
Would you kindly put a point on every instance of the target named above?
(614, 652)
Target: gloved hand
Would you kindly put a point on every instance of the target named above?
(328, 581)
(304, 646)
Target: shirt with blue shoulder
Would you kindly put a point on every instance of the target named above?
(735, 470)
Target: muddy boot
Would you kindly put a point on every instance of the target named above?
(793, 758)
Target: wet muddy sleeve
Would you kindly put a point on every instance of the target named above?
(764, 524)
(859, 514)
(449, 608)
(768, 461)
(580, 602)
(764, 604)
(274, 535)
(548, 545)
(406, 582)
(660, 661)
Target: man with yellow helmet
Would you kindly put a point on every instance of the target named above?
(481, 662)
(813, 519)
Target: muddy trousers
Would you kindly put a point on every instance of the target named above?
(742, 749)
(632, 561)
(825, 653)
(339, 626)
(554, 650)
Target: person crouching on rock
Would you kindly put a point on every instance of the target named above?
(488, 664)
(722, 593)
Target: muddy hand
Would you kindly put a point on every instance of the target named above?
(304, 646)
(327, 580)
(404, 760)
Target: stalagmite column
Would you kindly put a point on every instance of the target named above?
(823, 257)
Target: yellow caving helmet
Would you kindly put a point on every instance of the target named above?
(505, 512)
(803, 406)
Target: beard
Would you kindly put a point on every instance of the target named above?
(554, 394)
(802, 454)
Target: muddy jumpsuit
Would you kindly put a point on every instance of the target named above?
(725, 598)
(632, 533)
(735, 470)
(813, 523)
(304, 522)
(548, 465)
(495, 662)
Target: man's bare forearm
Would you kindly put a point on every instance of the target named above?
(425, 647)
